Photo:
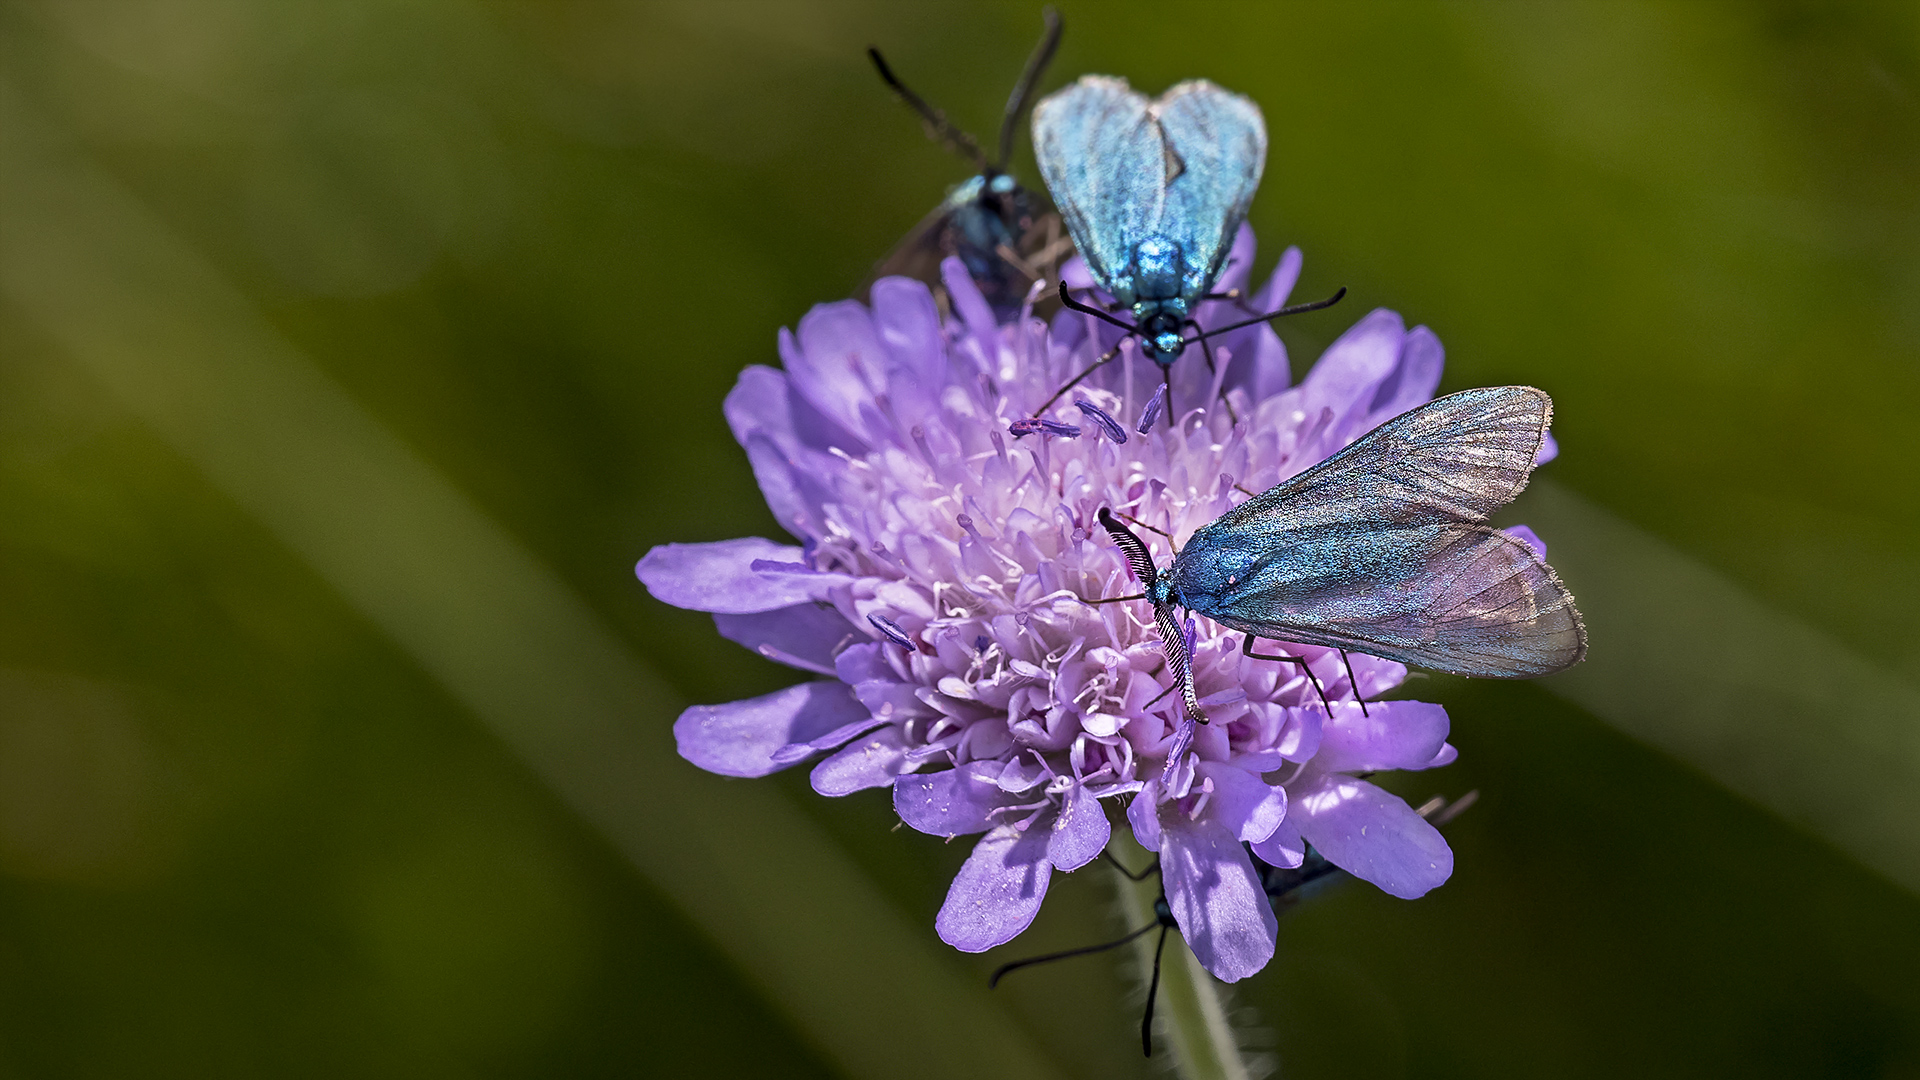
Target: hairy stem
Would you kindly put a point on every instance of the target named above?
(1190, 1021)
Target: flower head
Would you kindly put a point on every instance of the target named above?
(949, 549)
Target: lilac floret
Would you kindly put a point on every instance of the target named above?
(1152, 412)
(1108, 425)
(1014, 711)
(1032, 425)
(892, 630)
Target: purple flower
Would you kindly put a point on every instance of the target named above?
(939, 586)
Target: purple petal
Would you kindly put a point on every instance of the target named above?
(967, 301)
(1075, 273)
(1286, 273)
(908, 323)
(1549, 449)
(1216, 898)
(803, 636)
(1265, 372)
(758, 402)
(740, 738)
(871, 761)
(1143, 813)
(1259, 360)
(1347, 373)
(1372, 835)
(763, 401)
(1528, 537)
(998, 891)
(720, 576)
(950, 803)
(1286, 848)
(1244, 804)
(836, 361)
(1413, 380)
(865, 662)
(784, 484)
(1022, 773)
(1080, 831)
(1237, 271)
(1396, 735)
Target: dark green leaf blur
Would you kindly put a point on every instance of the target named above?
(244, 831)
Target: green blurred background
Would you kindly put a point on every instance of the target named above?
(280, 795)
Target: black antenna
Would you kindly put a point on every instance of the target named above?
(1173, 639)
(1088, 309)
(1296, 309)
(1023, 90)
(938, 126)
(1138, 557)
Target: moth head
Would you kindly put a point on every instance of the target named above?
(1160, 337)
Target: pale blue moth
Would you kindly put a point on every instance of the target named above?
(1152, 192)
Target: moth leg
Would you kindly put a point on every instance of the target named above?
(1162, 695)
(1017, 261)
(1153, 991)
(1131, 876)
(1068, 954)
(1353, 682)
(1246, 649)
(1075, 381)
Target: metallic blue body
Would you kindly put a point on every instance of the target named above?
(1383, 549)
(989, 222)
(978, 220)
(1152, 191)
(982, 220)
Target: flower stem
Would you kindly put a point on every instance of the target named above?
(1191, 1021)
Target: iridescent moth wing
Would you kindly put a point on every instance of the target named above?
(1217, 141)
(1382, 548)
(1102, 156)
